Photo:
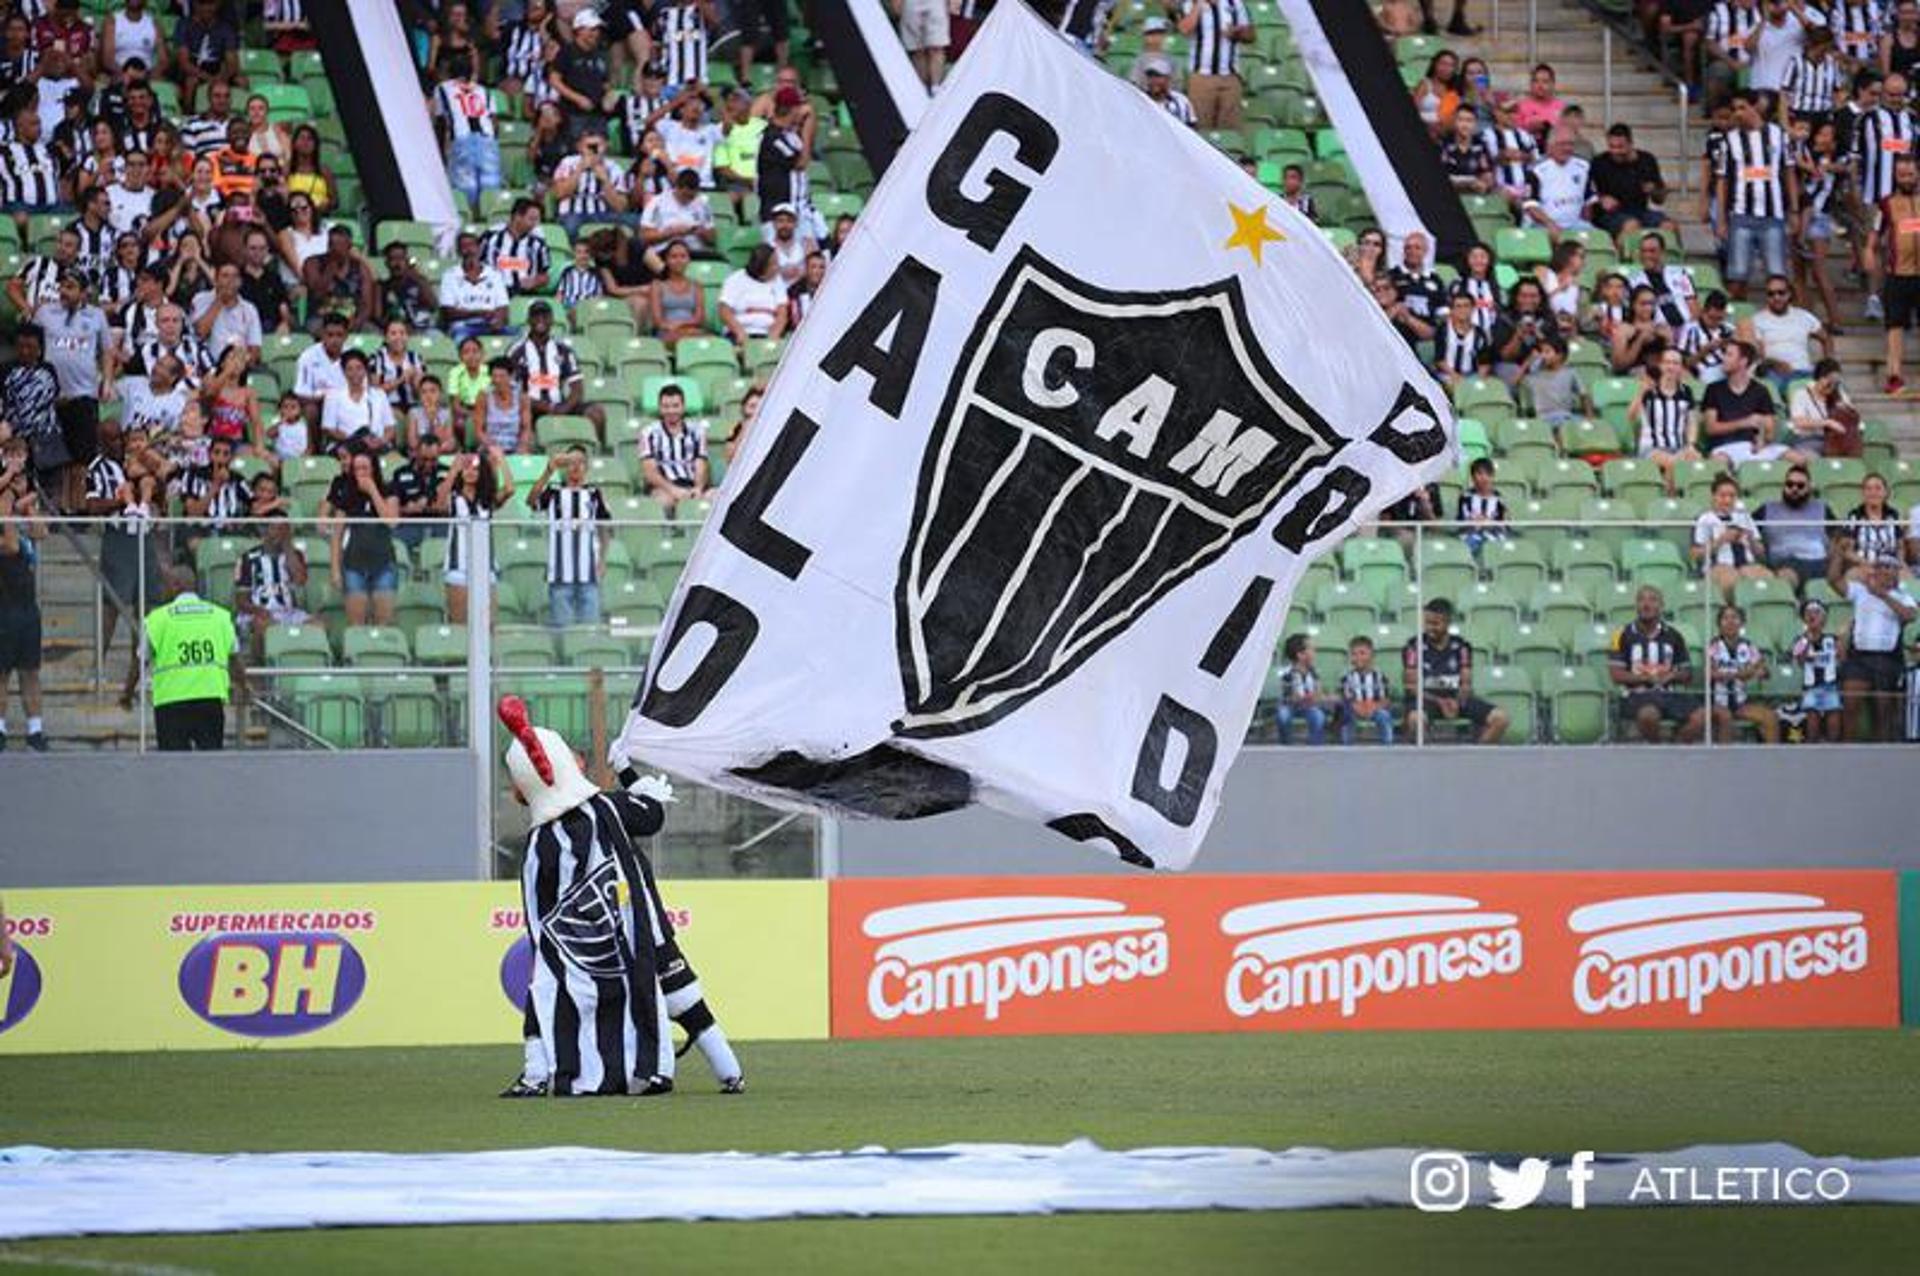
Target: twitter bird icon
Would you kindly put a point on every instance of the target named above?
(1519, 1188)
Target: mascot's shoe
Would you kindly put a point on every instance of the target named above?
(522, 1088)
(653, 1085)
(733, 1085)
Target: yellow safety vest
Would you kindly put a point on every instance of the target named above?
(192, 641)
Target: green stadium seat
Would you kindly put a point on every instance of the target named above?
(213, 561)
(1520, 438)
(1338, 602)
(1582, 703)
(1486, 399)
(556, 432)
(1563, 475)
(375, 647)
(601, 649)
(1587, 438)
(286, 103)
(557, 701)
(1474, 441)
(1533, 649)
(1490, 600)
(1377, 563)
(330, 706)
(522, 563)
(1446, 565)
(522, 648)
(440, 645)
(659, 556)
(1523, 246)
(1653, 562)
(1510, 689)
(1518, 565)
(421, 603)
(1629, 478)
(694, 353)
(1588, 564)
(761, 354)
(408, 711)
(1592, 644)
(1769, 604)
(298, 647)
(636, 602)
(1560, 608)
(262, 68)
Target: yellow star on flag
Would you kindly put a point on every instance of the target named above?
(1250, 230)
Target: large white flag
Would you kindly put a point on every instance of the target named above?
(1019, 517)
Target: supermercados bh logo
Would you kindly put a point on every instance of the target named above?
(1095, 449)
(1692, 947)
(1340, 950)
(20, 988)
(979, 956)
(273, 974)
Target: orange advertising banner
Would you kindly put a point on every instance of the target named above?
(963, 956)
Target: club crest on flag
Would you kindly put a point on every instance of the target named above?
(1095, 449)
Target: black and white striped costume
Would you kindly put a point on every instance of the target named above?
(465, 106)
(1463, 353)
(1487, 300)
(231, 503)
(205, 134)
(576, 285)
(1513, 175)
(545, 371)
(1726, 24)
(96, 248)
(637, 112)
(267, 578)
(675, 454)
(1475, 506)
(517, 257)
(521, 52)
(596, 925)
(1666, 421)
(1856, 27)
(1756, 159)
(1812, 86)
(1360, 685)
(384, 366)
(1873, 537)
(1819, 662)
(574, 515)
(40, 277)
(1884, 137)
(29, 175)
(680, 42)
(1726, 660)
(607, 972)
(1179, 106)
(589, 198)
(1209, 51)
(1696, 337)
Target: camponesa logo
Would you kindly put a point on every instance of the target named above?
(20, 988)
(1317, 950)
(1648, 949)
(982, 953)
(274, 983)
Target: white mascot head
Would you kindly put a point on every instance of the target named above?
(544, 770)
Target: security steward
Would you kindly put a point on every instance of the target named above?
(194, 659)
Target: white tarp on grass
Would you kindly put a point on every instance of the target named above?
(48, 1192)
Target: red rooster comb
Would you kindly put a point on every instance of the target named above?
(513, 715)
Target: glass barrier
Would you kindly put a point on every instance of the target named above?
(356, 635)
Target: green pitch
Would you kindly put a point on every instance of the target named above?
(1830, 1092)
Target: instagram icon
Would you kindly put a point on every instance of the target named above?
(1438, 1182)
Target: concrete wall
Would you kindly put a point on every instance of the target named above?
(1371, 810)
(123, 819)
(128, 819)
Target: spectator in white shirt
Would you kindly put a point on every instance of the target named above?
(318, 368)
(753, 301)
(222, 317)
(1785, 333)
(1875, 671)
(690, 139)
(1557, 188)
(683, 216)
(130, 200)
(473, 296)
(1727, 542)
(357, 412)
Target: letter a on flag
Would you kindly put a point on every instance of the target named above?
(1019, 516)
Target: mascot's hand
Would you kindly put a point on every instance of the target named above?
(658, 788)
